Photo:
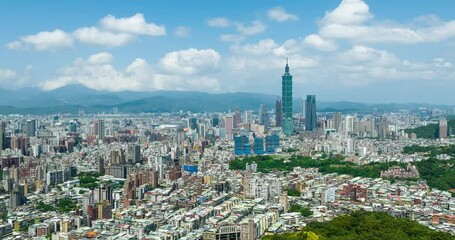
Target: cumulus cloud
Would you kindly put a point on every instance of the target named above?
(6, 74)
(183, 70)
(100, 58)
(352, 20)
(279, 14)
(442, 63)
(93, 35)
(219, 22)
(182, 31)
(349, 12)
(11, 79)
(43, 41)
(316, 41)
(190, 61)
(112, 32)
(135, 24)
(254, 28)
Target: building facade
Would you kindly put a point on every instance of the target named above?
(288, 123)
(310, 113)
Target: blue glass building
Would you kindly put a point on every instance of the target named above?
(242, 146)
(271, 143)
(258, 146)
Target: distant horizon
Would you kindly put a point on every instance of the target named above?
(278, 97)
(362, 50)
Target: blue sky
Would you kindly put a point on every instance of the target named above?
(369, 51)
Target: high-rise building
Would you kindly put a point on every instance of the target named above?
(310, 113)
(337, 120)
(237, 119)
(264, 118)
(100, 165)
(31, 128)
(192, 123)
(215, 120)
(228, 123)
(258, 145)
(271, 143)
(134, 152)
(286, 83)
(442, 127)
(242, 145)
(249, 116)
(278, 114)
(2, 135)
(100, 129)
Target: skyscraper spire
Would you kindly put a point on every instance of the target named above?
(286, 69)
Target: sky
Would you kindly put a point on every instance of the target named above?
(339, 50)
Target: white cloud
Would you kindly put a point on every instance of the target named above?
(15, 80)
(219, 22)
(363, 65)
(231, 38)
(316, 41)
(97, 72)
(441, 63)
(43, 41)
(190, 61)
(182, 31)
(6, 74)
(100, 58)
(93, 35)
(255, 28)
(352, 20)
(258, 66)
(363, 55)
(135, 25)
(349, 12)
(279, 14)
(113, 32)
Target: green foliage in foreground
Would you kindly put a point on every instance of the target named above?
(294, 236)
(332, 165)
(366, 225)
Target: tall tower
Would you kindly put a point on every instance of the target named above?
(288, 122)
(278, 114)
(310, 113)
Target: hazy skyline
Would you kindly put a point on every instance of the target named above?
(368, 51)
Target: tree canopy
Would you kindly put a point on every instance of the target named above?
(365, 225)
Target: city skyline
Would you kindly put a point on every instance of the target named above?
(139, 47)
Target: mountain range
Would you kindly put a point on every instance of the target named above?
(72, 98)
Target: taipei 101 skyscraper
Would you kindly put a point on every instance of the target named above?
(288, 122)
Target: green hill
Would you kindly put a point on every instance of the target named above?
(365, 225)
